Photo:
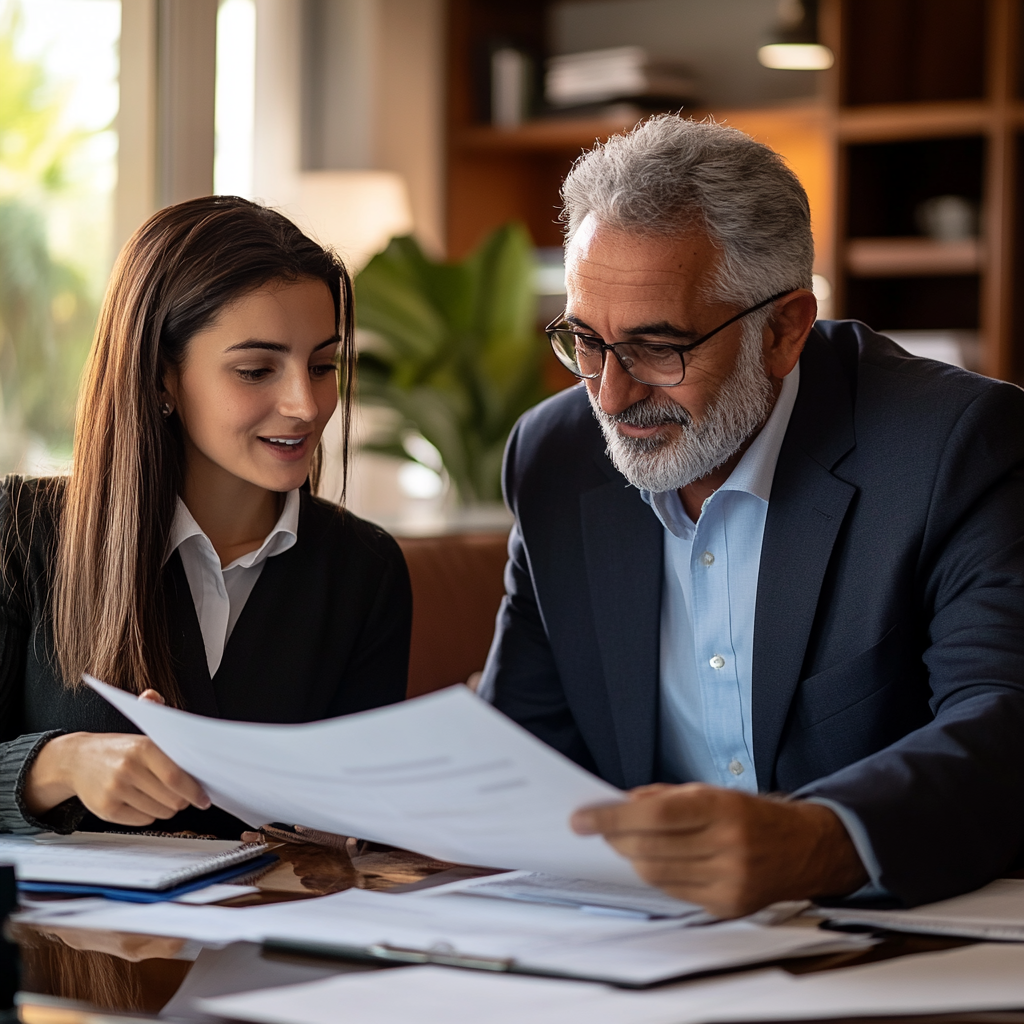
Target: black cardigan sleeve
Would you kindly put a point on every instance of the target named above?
(18, 750)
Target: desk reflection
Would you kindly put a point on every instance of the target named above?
(124, 972)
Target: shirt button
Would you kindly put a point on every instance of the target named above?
(717, 661)
(735, 767)
(708, 559)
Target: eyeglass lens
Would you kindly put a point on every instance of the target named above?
(647, 363)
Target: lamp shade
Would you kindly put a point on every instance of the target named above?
(793, 44)
(356, 212)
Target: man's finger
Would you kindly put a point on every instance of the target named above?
(643, 792)
(679, 809)
(682, 846)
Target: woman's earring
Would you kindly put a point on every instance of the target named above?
(166, 410)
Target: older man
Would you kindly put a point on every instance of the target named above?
(773, 567)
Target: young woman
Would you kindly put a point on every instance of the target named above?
(186, 557)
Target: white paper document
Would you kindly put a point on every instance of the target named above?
(590, 897)
(545, 938)
(446, 775)
(216, 893)
(981, 977)
(439, 995)
(993, 912)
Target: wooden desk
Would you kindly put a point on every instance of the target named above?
(112, 971)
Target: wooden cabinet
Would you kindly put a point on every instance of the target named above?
(926, 99)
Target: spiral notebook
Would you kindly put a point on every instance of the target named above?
(115, 861)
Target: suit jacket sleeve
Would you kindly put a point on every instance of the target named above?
(520, 677)
(943, 806)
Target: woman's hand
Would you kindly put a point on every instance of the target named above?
(121, 778)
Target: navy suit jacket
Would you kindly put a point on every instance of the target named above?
(888, 669)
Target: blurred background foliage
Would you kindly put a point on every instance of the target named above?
(47, 309)
(453, 351)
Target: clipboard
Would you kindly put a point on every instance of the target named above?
(380, 954)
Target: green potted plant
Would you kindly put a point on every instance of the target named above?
(453, 350)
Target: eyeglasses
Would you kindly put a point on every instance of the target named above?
(658, 364)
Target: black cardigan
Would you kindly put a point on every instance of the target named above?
(325, 632)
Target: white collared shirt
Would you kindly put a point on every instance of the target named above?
(219, 594)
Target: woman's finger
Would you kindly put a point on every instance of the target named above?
(152, 695)
(154, 800)
(173, 779)
(123, 814)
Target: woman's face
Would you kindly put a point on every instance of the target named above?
(256, 389)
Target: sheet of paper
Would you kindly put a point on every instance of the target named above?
(33, 910)
(993, 912)
(591, 897)
(119, 861)
(986, 976)
(240, 967)
(446, 775)
(982, 977)
(438, 995)
(539, 937)
(216, 893)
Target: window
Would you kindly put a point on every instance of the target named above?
(58, 168)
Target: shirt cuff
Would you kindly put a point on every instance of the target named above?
(16, 758)
(862, 844)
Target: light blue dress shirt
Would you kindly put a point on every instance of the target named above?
(709, 592)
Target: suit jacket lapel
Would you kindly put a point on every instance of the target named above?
(188, 651)
(807, 508)
(622, 541)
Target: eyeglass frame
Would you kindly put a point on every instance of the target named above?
(552, 329)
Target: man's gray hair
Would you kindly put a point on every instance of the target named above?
(670, 174)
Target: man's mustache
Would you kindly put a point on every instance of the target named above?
(650, 413)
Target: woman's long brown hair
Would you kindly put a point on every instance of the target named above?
(171, 280)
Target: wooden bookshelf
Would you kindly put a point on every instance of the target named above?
(912, 257)
(927, 101)
(926, 98)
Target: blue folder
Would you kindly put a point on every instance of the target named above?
(151, 895)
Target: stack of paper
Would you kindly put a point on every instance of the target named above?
(537, 938)
(591, 897)
(982, 977)
(994, 912)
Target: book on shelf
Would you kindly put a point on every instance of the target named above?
(618, 73)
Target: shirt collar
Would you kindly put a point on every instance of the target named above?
(754, 472)
(283, 536)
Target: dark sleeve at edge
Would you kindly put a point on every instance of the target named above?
(520, 677)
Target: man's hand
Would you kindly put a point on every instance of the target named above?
(730, 852)
(120, 778)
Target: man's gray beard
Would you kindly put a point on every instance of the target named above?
(657, 463)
